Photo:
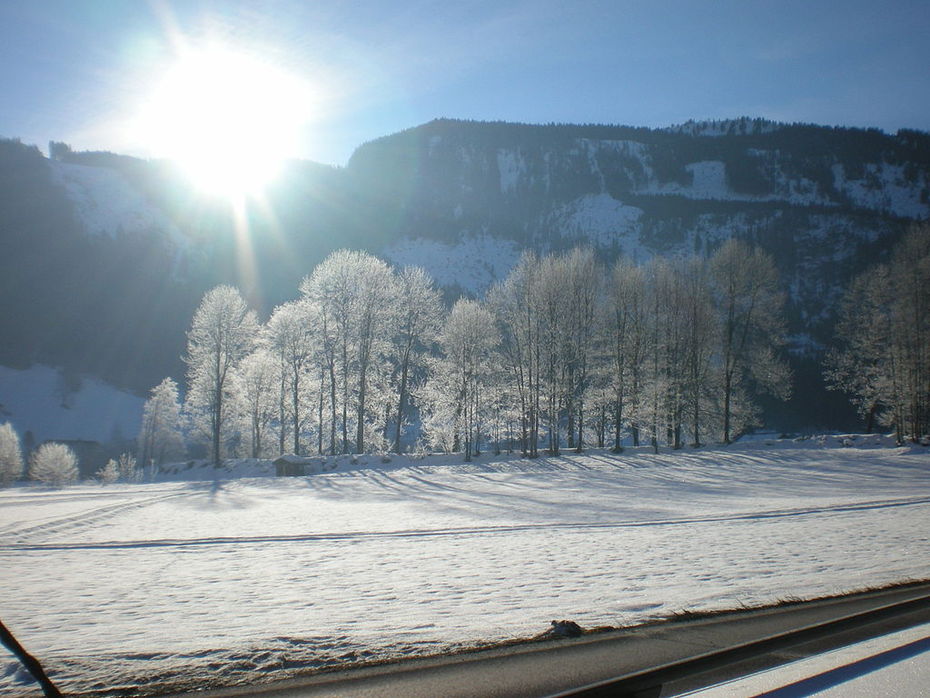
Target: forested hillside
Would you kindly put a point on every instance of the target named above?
(107, 257)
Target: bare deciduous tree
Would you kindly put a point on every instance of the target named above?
(751, 325)
(884, 328)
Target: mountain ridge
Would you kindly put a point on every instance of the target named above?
(100, 235)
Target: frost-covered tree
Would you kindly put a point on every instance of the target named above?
(223, 331)
(109, 473)
(258, 387)
(455, 390)
(331, 288)
(160, 439)
(11, 455)
(751, 327)
(515, 307)
(625, 343)
(128, 468)
(700, 334)
(583, 297)
(54, 464)
(354, 292)
(418, 321)
(291, 337)
(548, 293)
(375, 314)
(884, 332)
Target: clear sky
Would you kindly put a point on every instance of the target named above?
(78, 70)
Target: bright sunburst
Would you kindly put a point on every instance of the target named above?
(228, 119)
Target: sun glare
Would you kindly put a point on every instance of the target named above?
(228, 120)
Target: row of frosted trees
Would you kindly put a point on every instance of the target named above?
(561, 353)
(573, 354)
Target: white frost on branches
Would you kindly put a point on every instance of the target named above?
(54, 464)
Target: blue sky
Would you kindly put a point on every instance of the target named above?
(74, 70)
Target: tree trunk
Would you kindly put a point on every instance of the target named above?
(217, 421)
(345, 397)
(360, 429)
(281, 420)
(618, 417)
(332, 404)
(727, 388)
(402, 399)
(296, 388)
(319, 436)
(579, 447)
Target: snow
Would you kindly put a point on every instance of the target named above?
(709, 180)
(602, 220)
(32, 400)
(895, 664)
(511, 167)
(107, 203)
(232, 580)
(473, 263)
(884, 187)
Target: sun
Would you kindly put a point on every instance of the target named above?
(227, 119)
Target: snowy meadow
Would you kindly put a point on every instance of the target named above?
(229, 576)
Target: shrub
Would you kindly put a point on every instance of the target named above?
(126, 467)
(54, 464)
(11, 456)
(109, 473)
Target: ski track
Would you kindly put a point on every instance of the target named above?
(82, 520)
(106, 512)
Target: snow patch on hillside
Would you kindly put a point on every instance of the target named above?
(511, 166)
(473, 263)
(602, 221)
(886, 188)
(709, 180)
(37, 400)
(108, 204)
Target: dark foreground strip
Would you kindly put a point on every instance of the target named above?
(649, 683)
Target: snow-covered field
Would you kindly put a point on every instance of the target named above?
(199, 581)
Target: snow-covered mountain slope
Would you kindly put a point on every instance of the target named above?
(107, 203)
(471, 264)
(825, 202)
(52, 406)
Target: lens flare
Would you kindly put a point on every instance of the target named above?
(228, 119)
